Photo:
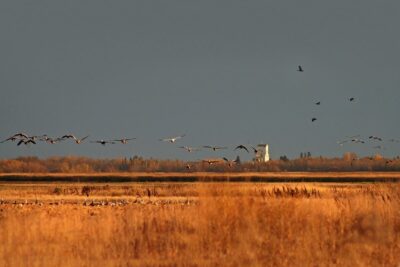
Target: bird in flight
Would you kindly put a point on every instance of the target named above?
(71, 136)
(351, 99)
(340, 143)
(231, 162)
(78, 141)
(50, 140)
(124, 140)
(68, 136)
(172, 139)
(211, 162)
(26, 142)
(300, 68)
(11, 138)
(15, 137)
(215, 148)
(103, 142)
(318, 103)
(357, 140)
(313, 119)
(242, 147)
(375, 138)
(190, 149)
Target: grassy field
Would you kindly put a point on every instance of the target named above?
(199, 224)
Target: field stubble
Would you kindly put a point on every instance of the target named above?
(223, 224)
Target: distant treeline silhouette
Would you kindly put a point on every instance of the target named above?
(72, 164)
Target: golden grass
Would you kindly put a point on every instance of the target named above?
(226, 225)
(339, 174)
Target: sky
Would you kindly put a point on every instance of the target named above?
(221, 72)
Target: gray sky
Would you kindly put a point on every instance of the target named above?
(223, 72)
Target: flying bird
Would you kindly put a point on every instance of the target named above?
(15, 137)
(172, 139)
(190, 149)
(211, 162)
(71, 136)
(68, 136)
(318, 103)
(300, 68)
(21, 135)
(215, 148)
(313, 119)
(103, 142)
(11, 138)
(373, 137)
(78, 141)
(342, 142)
(26, 142)
(351, 99)
(242, 147)
(50, 140)
(356, 140)
(124, 140)
(231, 162)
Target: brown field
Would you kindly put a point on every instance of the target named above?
(199, 224)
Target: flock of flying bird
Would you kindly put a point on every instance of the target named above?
(357, 138)
(25, 139)
(300, 69)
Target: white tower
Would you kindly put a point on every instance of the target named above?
(262, 154)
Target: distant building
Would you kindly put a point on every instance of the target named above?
(262, 154)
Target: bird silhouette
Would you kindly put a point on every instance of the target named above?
(68, 136)
(124, 140)
(15, 137)
(313, 119)
(50, 140)
(215, 148)
(71, 136)
(26, 142)
(172, 139)
(300, 68)
(190, 149)
(78, 141)
(211, 162)
(231, 162)
(11, 138)
(103, 142)
(351, 99)
(241, 147)
(373, 137)
(318, 103)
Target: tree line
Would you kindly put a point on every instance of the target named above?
(72, 164)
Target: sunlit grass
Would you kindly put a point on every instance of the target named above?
(225, 225)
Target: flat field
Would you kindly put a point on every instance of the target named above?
(199, 224)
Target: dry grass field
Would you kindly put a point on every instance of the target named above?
(199, 224)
